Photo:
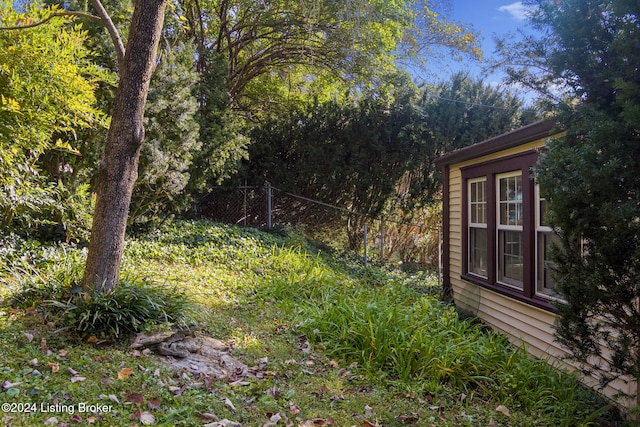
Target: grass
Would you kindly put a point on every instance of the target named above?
(343, 345)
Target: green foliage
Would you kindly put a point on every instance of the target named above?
(591, 181)
(46, 278)
(392, 333)
(129, 308)
(223, 144)
(452, 115)
(293, 44)
(33, 269)
(351, 154)
(375, 153)
(465, 111)
(590, 176)
(123, 311)
(171, 138)
(420, 339)
(47, 86)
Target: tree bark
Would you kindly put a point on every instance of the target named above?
(119, 165)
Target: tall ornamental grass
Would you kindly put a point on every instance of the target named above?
(417, 341)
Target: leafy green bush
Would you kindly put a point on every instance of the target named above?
(127, 309)
(385, 331)
(48, 95)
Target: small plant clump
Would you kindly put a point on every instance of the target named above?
(127, 309)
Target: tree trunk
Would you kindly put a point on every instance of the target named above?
(119, 164)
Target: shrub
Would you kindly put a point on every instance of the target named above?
(127, 309)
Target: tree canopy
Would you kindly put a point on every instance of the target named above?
(465, 110)
(279, 47)
(350, 153)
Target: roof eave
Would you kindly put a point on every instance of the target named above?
(523, 135)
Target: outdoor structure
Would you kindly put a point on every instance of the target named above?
(496, 241)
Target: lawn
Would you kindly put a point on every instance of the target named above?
(330, 343)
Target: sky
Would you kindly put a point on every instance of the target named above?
(488, 18)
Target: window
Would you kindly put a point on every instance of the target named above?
(507, 237)
(478, 227)
(510, 220)
(545, 238)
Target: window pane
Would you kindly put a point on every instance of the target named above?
(478, 202)
(478, 251)
(510, 257)
(511, 200)
(545, 284)
(543, 212)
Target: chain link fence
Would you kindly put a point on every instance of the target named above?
(410, 243)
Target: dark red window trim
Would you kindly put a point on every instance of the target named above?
(523, 162)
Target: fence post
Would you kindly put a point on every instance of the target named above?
(365, 244)
(382, 257)
(269, 205)
(439, 259)
(244, 204)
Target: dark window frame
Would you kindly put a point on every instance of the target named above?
(491, 169)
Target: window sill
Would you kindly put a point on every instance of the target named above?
(536, 301)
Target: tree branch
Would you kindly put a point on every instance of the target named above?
(111, 28)
(53, 15)
(103, 18)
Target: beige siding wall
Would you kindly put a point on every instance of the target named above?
(519, 321)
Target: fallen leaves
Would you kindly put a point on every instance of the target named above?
(55, 368)
(145, 417)
(223, 423)
(412, 418)
(503, 410)
(9, 385)
(177, 391)
(44, 347)
(124, 373)
(229, 404)
(317, 422)
(134, 397)
(52, 421)
(273, 420)
(154, 403)
(293, 408)
(368, 411)
(274, 393)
